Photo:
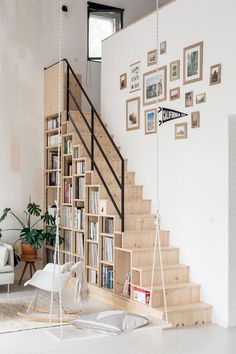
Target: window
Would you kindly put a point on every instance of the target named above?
(103, 21)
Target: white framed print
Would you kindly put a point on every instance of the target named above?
(150, 121)
(133, 114)
(135, 77)
(150, 87)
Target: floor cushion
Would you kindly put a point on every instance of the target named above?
(3, 256)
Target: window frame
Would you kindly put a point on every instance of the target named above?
(92, 8)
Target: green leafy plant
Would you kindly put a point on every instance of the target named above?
(29, 233)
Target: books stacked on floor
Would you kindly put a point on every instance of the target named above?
(79, 187)
(67, 192)
(68, 217)
(54, 140)
(79, 241)
(108, 226)
(53, 123)
(67, 146)
(107, 277)
(79, 218)
(76, 152)
(80, 167)
(93, 255)
(55, 161)
(93, 276)
(68, 240)
(68, 168)
(54, 179)
(108, 249)
(142, 296)
(93, 230)
(93, 202)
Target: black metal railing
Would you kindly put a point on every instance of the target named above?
(120, 181)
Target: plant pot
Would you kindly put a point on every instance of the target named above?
(28, 252)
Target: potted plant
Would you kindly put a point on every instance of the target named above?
(31, 237)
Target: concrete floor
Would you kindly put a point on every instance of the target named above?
(209, 339)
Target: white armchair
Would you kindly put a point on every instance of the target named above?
(7, 274)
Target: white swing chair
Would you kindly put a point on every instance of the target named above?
(52, 280)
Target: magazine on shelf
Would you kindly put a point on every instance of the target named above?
(93, 256)
(108, 225)
(93, 202)
(67, 146)
(68, 240)
(79, 241)
(79, 218)
(54, 140)
(53, 123)
(67, 192)
(79, 187)
(93, 230)
(93, 276)
(80, 167)
(108, 249)
(107, 277)
(68, 216)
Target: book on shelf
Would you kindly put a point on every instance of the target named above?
(54, 179)
(108, 249)
(67, 213)
(79, 218)
(55, 161)
(76, 152)
(93, 202)
(80, 167)
(67, 146)
(141, 295)
(52, 210)
(107, 277)
(79, 243)
(108, 225)
(93, 230)
(79, 187)
(127, 285)
(53, 123)
(67, 192)
(68, 168)
(68, 241)
(54, 140)
(93, 276)
(68, 258)
(93, 255)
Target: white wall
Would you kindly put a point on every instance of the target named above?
(193, 173)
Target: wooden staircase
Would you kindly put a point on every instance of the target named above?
(134, 249)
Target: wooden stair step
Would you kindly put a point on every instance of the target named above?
(174, 273)
(110, 180)
(144, 238)
(140, 222)
(144, 257)
(131, 192)
(134, 206)
(188, 315)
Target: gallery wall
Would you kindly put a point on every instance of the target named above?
(192, 173)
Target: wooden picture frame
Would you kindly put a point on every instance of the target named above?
(201, 98)
(123, 81)
(133, 114)
(215, 74)
(193, 63)
(163, 47)
(175, 94)
(189, 98)
(150, 87)
(135, 77)
(152, 57)
(181, 131)
(175, 70)
(195, 120)
(150, 117)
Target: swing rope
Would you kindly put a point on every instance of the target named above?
(157, 243)
(57, 243)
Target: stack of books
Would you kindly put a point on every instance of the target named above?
(79, 187)
(55, 161)
(79, 241)
(67, 146)
(79, 218)
(68, 216)
(108, 249)
(53, 123)
(68, 241)
(93, 230)
(107, 277)
(80, 167)
(67, 192)
(54, 140)
(142, 296)
(54, 179)
(93, 202)
(93, 255)
(68, 168)
(108, 226)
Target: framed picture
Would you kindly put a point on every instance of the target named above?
(201, 98)
(150, 121)
(123, 81)
(189, 99)
(162, 83)
(152, 58)
(193, 63)
(174, 94)
(150, 87)
(133, 114)
(195, 119)
(135, 76)
(175, 70)
(215, 74)
(163, 46)
(181, 131)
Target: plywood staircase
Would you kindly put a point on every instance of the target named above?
(133, 249)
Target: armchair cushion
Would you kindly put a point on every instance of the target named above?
(6, 269)
(3, 256)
